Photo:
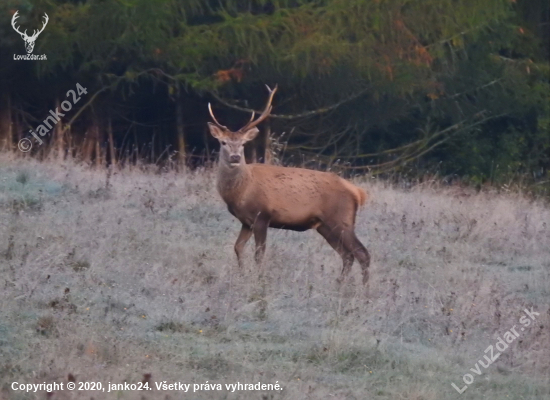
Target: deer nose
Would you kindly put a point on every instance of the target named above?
(235, 158)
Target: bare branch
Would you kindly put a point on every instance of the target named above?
(81, 109)
(321, 110)
(409, 153)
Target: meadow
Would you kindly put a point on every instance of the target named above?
(130, 276)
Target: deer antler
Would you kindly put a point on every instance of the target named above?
(24, 34)
(36, 33)
(15, 16)
(250, 124)
(267, 110)
(214, 118)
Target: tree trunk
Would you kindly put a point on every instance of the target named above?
(180, 129)
(87, 148)
(250, 152)
(91, 142)
(6, 123)
(58, 135)
(69, 142)
(264, 143)
(112, 153)
(98, 154)
(256, 151)
(205, 133)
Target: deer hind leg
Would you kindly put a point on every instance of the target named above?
(244, 235)
(359, 251)
(260, 236)
(334, 238)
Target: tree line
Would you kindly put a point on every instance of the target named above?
(457, 87)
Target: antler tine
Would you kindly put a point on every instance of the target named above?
(46, 20)
(214, 118)
(265, 113)
(13, 22)
(39, 31)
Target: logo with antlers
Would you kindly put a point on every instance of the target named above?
(29, 40)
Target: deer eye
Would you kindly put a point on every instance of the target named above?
(223, 143)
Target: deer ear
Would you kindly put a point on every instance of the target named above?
(216, 131)
(250, 134)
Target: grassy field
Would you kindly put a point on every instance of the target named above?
(131, 276)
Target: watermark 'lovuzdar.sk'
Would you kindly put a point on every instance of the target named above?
(29, 40)
(501, 345)
(30, 57)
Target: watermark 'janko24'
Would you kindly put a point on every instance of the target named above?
(501, 345)
(47, 125)
(29, 40)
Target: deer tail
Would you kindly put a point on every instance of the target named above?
(362, 196)
(359, 194)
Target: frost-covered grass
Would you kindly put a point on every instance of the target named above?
(110, 278)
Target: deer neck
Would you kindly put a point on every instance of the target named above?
(232, 180)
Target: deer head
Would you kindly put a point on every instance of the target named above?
(29, 40)
(232, 143)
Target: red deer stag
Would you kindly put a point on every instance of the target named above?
(262, 196)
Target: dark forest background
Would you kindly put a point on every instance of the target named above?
(458, 88)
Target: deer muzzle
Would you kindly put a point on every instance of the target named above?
(235, 159)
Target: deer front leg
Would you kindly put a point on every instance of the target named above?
(244, 235)
(260, 237)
